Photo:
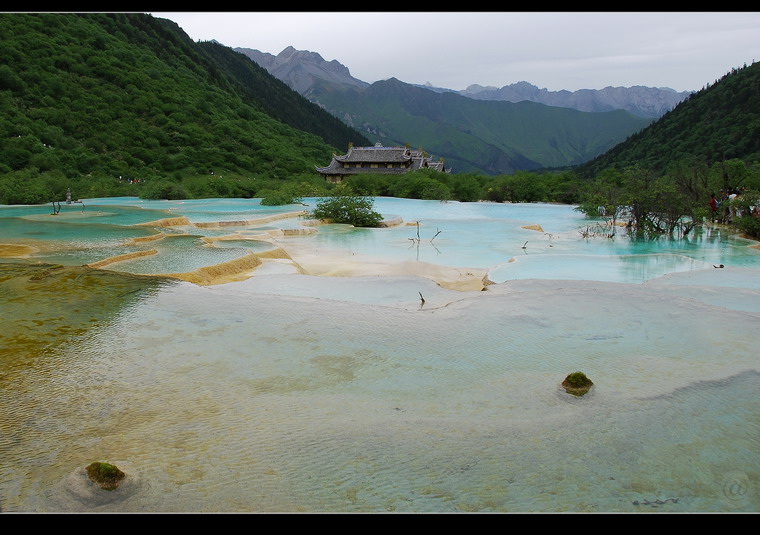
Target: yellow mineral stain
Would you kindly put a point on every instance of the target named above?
(167, 222)
(46, 305)
(298, 231)
(249, 222)
(9, 250)
(278, 253)
(144, 239)
(120, 258)
(231, 271)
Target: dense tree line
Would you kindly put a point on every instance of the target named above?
(522, 186)
(674, 202)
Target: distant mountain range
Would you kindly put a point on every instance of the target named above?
(477, 130)
(302, 69)
(650, 102)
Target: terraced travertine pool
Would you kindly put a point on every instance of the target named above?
(272, 388)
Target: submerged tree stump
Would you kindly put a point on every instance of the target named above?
(577, 384)
(106, 476)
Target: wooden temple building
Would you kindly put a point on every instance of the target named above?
(378, 160)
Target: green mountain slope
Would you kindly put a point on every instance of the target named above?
(473, 135)
(718, 123)
(277, 99)
(109, 95)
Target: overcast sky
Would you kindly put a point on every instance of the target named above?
(552, 50)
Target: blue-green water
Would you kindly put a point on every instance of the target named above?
(477, 235)
(290, 392)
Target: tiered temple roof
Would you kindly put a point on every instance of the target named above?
(377, 160)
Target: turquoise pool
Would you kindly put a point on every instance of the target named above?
(289, 392)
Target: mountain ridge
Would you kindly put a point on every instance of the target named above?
(302, 69)
(639, 100)
(471, 135)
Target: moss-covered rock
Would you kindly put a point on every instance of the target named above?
(577, 384)
(106, 476)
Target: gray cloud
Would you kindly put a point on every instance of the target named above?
(565, 50)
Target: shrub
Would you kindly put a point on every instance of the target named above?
(278, 198)
(344, 206)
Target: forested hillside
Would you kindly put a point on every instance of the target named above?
(101, 102)
(277, 99)
(492, 137)
(720, 122)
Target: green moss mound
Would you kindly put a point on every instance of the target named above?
(105, 475)
(577, 384)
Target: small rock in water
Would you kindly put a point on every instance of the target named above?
(105, 475)
(577, 384)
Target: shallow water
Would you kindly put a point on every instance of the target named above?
(476, 235)
(289, 392)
